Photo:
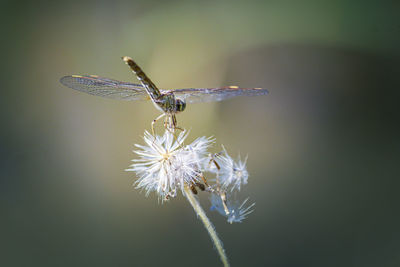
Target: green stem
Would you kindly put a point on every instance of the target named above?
(207, 223)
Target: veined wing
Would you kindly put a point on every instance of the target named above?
(105, 87)
(195, 95)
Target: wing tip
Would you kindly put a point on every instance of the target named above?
(62, 79)
(263, 90)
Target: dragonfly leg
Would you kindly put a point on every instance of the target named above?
(154, 121)
(170, 126)
(175, 123)
(166, 122)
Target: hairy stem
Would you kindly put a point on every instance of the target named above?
(207, 223)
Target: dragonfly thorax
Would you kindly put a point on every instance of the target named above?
(169, 104)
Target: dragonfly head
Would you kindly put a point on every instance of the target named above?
(180, 105)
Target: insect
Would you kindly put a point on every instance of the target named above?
(170, 102)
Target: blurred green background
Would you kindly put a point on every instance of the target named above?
(323, 145)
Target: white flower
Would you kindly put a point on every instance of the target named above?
(237, 210)
(232, 174)
(166, 165)
(198, 148)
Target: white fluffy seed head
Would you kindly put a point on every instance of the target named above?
(237, 211)
(232, 174)
(166, 165)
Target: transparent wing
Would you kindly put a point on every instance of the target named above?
(105, 87)
(195, 95)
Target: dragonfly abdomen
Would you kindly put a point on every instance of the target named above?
(150, 87)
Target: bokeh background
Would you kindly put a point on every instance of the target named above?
(323, 145)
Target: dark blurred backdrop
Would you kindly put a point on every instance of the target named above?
(323, 146)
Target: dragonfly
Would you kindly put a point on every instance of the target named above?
(169, 102)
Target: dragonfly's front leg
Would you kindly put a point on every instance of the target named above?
(170, 123)
(154, 121)
(175, 123)
(170, 126)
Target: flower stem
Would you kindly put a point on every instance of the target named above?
(207, 224)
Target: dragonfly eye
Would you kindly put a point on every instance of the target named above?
(180, 105)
